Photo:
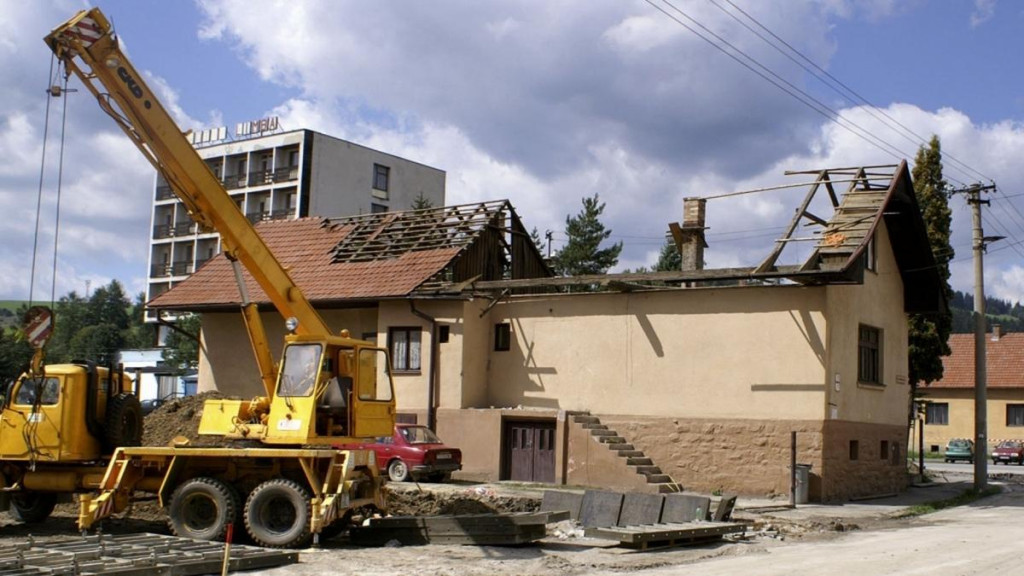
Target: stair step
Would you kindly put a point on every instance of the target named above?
(669, 488)
(639, 461)
(658, 478)
(626, 451)
(611, 439)
(594, 426)
(647, 470)
(585, 419)
(605, 432)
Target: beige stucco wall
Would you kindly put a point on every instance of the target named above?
(961, 416)
(226, 361)
(877, 302)
(707, 353)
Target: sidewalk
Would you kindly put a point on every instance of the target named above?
(863, 509)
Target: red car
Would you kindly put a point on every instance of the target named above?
(412, 452)
(1008, 451)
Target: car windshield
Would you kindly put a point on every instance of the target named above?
(958, 444)
(1011, 445)
(419, 435)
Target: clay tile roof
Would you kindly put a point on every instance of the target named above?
(306, 247)
(1004, 362)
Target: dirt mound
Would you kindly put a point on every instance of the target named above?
(437, 500)
(179, 417)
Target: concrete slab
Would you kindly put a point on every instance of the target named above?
(685, 508)
(600, 508)
(555, 500)
(723, 511)
(639, 508)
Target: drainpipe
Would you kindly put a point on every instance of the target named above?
(431, 378)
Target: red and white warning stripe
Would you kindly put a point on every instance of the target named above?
(86, 31)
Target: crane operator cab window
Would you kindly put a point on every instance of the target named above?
(299, 371)
(42, 391)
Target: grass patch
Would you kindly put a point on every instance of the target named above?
(965, 497)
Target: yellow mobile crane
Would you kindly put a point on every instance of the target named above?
(287, 483)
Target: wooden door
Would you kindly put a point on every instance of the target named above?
(529, 451)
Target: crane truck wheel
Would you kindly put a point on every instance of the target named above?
(202, 508)
(124, 421)
(32, 507)
(277, 514)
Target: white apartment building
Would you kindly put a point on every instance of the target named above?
(282, 175)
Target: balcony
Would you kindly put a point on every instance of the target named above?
(261, 177)
(184, 228)
(286, 174)
(160, 270)
(199, 263)
(282, 214)
(236, 181)
(255, 217)
(182, 268)
(164, 192)
(162, 231)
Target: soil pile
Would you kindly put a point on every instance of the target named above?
(178, 417)
(434, 500)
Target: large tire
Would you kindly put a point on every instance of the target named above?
(32, 507)
(202, 508)
(123, 422)
(277, 514)
(398, 470)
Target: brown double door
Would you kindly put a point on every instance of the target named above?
(529, 450)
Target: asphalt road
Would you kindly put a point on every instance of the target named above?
(965, 468)
(983, 538)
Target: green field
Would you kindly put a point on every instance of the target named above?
(11, 305)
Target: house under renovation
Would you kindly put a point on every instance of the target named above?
(695, 378)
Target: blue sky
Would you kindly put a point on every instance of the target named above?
(539, 103)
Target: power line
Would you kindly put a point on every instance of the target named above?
(851, 94)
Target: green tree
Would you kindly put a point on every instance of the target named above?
(140, 334)
(421, 202)
(182, 345)
(583, 253)
(669, 260)
(929, 334)
(15, 355)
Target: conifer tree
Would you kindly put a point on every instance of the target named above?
(583, 253)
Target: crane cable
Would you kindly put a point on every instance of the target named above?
(53, 90)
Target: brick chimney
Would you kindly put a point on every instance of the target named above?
(997, 332)
(689, 237)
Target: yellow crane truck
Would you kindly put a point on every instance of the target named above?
(275, 470)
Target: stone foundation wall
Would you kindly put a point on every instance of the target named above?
(873, 472)
(748, 457)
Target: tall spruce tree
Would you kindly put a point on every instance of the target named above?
(929, 334)
(583, 253)
(670, 260)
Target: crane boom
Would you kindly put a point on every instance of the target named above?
(100, 62)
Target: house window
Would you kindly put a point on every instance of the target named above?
(377, 208)
(1015, 414)
(871, 256)
(443, 333)
(883, 450)
(502, 337)
(381, 175)
(869, 355)
(854, 449)
(937, 413)
(405, 349)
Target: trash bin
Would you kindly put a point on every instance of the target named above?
(803, 482)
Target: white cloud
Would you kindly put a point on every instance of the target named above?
(984, 10)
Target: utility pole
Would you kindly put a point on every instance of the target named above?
(980, 241)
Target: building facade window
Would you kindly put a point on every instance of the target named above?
(502, 337)
(377, 208)
(854, 449)
(405, 348)
(937, 413)
(869, 355)
(1015, 414)
(871, 256)
(381, 177)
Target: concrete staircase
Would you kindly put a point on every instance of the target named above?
(631, 459)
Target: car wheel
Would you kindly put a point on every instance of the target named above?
(398, 471)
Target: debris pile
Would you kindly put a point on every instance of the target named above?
(178, 417)
(409, 500)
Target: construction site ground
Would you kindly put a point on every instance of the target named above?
(808, 533)
(565, 551)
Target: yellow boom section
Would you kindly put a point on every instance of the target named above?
(88, 48)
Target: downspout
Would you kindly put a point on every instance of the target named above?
(432, 376)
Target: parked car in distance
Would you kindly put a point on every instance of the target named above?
(151, 404)
(412, 452)
(959, 449)
(1009, 451)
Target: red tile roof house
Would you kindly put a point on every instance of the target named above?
(694, 378)
(949, 412)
